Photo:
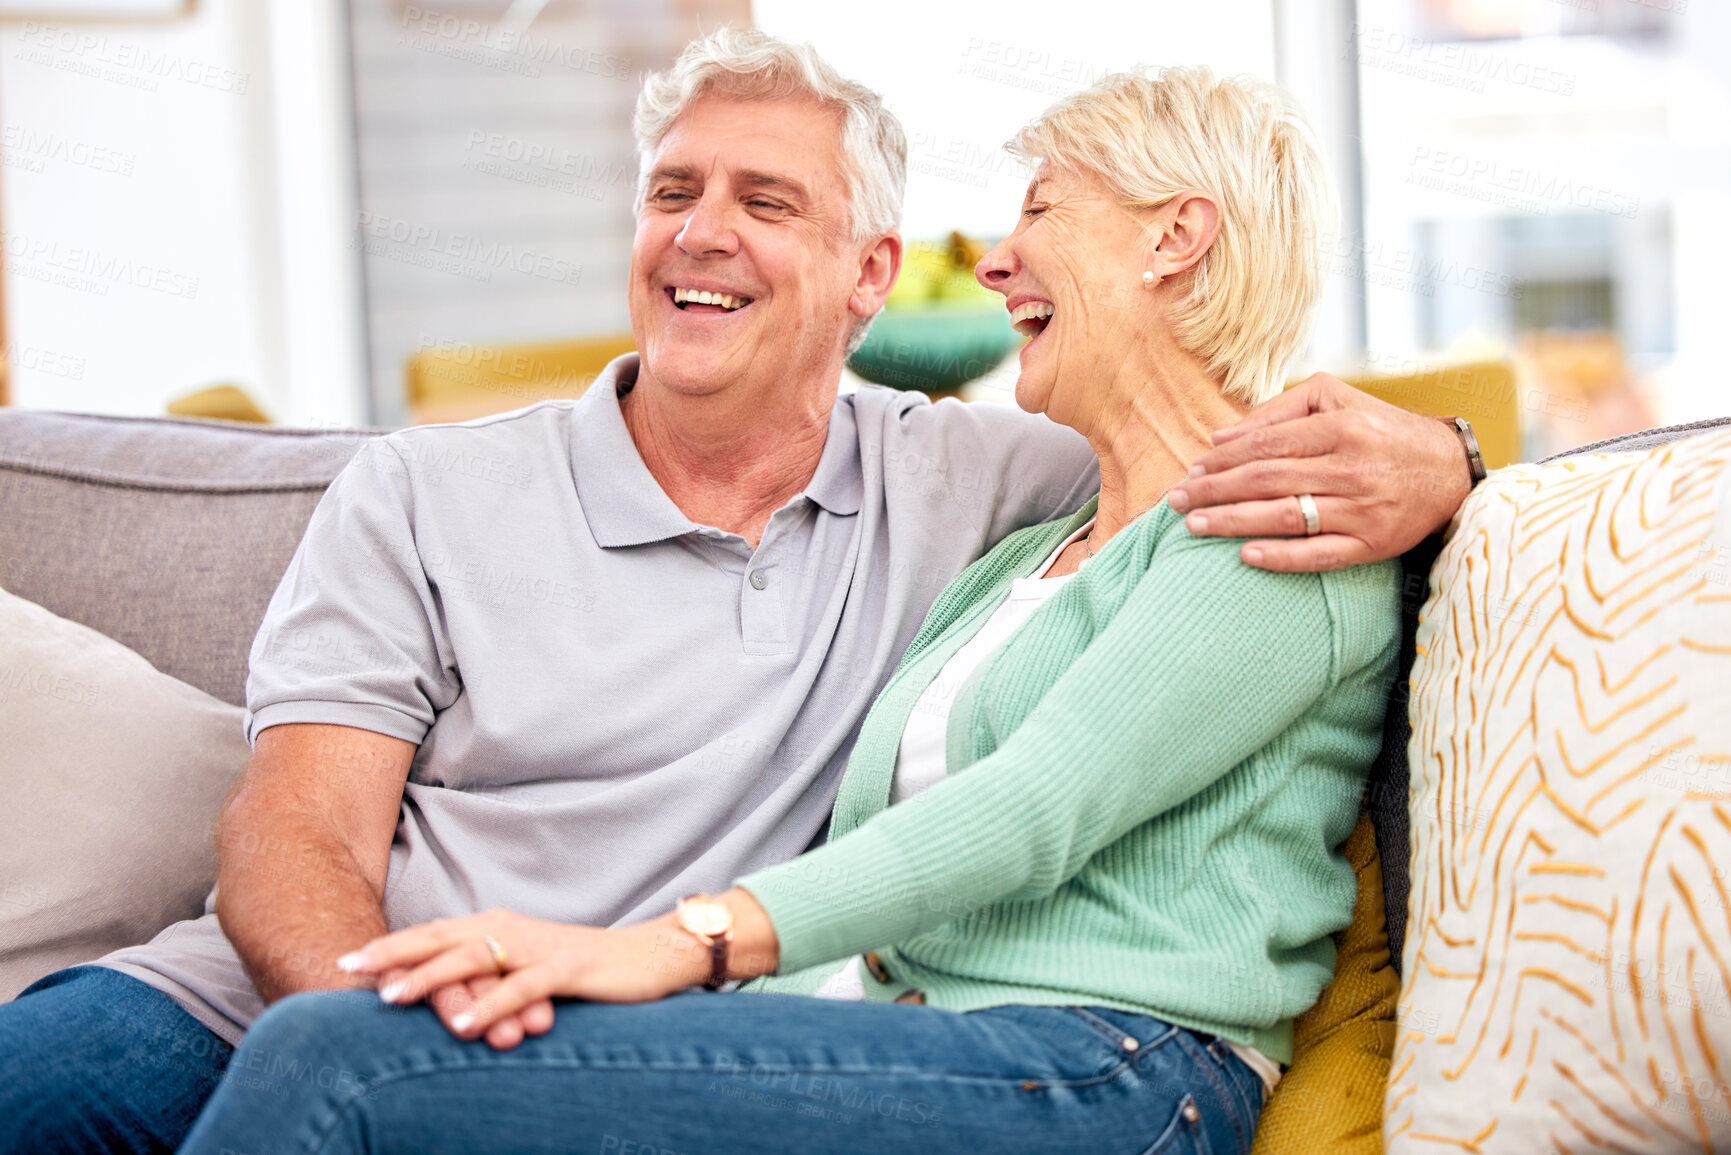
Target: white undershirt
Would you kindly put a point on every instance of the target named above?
(920, 758)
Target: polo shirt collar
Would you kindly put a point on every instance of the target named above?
(838, 482)
(623, 502)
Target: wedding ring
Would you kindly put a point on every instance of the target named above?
(1312, 523)
(492, 944)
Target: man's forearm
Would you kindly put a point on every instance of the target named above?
(291, 899)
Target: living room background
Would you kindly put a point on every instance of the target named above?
(297, 197)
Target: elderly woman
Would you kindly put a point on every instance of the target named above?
(1083, 867)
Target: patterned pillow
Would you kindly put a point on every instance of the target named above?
(1567, 977)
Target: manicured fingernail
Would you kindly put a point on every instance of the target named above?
(1196, 470)
(463, 1022)
(1196, 523)
(394, 991)
(1253, 555)
(1178, 500)
(353, 961)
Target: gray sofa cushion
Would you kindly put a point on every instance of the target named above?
(168, 536)
(1644, 439)
(1387, 789)
(112, 774)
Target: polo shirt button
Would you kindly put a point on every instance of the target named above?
(758, 580)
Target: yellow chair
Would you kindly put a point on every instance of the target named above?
(457, 381)
(224, 402)
(1484, 392)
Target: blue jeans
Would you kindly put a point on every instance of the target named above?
(338, 1071)
(94, 1060)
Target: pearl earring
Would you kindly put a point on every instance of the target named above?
(1148, 278)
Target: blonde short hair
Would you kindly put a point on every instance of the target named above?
(750, 65)
(1150, 134)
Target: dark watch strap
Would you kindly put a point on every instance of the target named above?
(717, 964)
(1470, 442)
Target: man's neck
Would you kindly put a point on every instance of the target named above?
(728, 459)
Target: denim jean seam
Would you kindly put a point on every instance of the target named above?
(1116, 1035)
(1228, 1097)
(1241, 1084)
(340, 1111)
(1116, 1038)
(445, 1064)
(1176, 1125)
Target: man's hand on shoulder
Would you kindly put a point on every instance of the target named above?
(1383, 479)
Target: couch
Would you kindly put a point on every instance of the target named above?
(169, 536)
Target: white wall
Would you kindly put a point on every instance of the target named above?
(497, 168)
(496, 182)
(1628, 133)
(176, 198)
(964, 77)
(1695, 387)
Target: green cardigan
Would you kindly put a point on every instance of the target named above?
(1148, 785)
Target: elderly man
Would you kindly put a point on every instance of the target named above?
(639, 675)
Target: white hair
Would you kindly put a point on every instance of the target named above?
(747, 64)
(1246, 143)
(750, 65)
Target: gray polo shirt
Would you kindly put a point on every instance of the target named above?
(614, 706)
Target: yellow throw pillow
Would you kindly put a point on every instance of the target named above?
(1567, 968)
(1330, 1099)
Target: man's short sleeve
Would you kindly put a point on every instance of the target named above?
(1001, 467)
(353, 635)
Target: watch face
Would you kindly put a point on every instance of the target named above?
(706, 918)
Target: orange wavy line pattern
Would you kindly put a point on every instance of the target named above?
(1571, 770)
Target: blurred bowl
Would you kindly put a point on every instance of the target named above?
(936, 348)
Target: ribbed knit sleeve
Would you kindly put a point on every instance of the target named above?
(1205, 662)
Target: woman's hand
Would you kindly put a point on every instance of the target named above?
(544, 960)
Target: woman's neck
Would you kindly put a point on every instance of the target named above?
(1150, 423)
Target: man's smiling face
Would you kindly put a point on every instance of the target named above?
(744, 265)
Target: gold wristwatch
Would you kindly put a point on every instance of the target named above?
(710, 922)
